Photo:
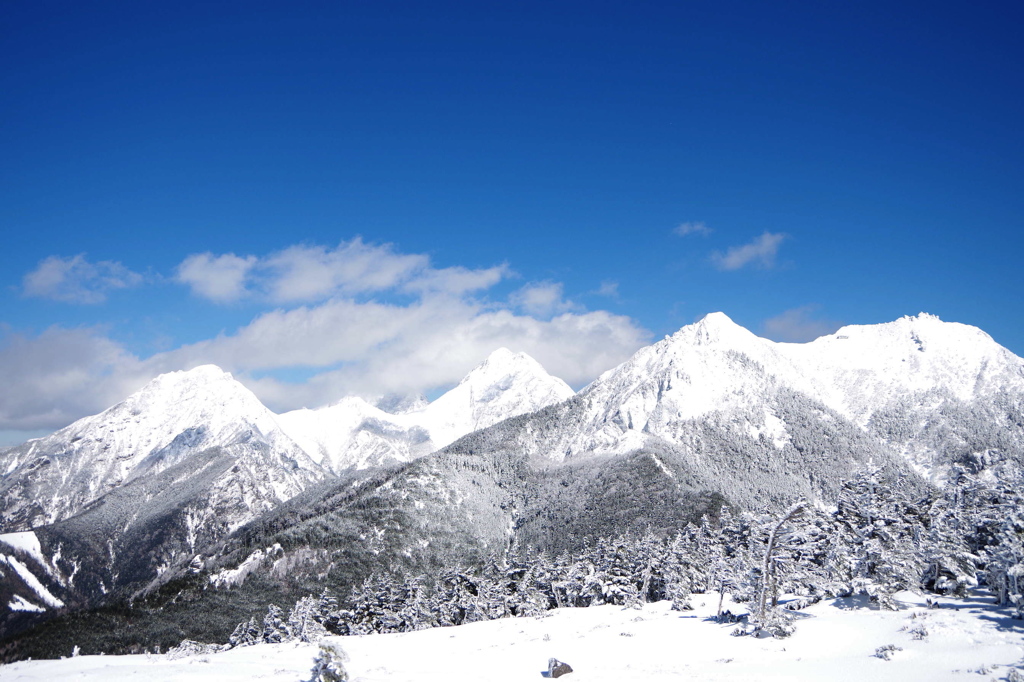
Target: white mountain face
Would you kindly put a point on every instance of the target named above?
(355, 434)
(172, 417)
(352, 433)
(181, 413)
(918, 366)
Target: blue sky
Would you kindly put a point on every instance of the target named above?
(327, 198)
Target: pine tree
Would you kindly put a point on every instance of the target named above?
(275, 628)
(881, 539)
(1004, 556)
(303, 622)
(949, 563)
(612, 580)
(777, 559)
(246, 634)
(681, 573)
(729, 556)
(329, 664)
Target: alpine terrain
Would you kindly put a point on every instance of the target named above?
(190, 507)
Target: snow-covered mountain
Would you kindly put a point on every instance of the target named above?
(123, 500)
(352, 433)
(711, 415)
(916, 370)
(182, 413)
(171, 418)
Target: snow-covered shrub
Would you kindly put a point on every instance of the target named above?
(189, 647)
(801, 603)
(885, 652)
(1015, 675)
(776, 624)
(329, 664)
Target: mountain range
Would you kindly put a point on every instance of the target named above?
(192, 490)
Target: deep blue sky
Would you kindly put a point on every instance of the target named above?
(876, 151)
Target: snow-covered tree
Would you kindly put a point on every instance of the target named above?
(880, 539)
(613, 579)
(779, 555)
(329, 664)
(246, 634)
(275, 626)
(304, 620)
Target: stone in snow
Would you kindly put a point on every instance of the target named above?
(557, 668)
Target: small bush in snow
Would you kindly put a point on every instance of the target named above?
(801, 603)
(329, 664)
(1015, 675)
(191, 648)
(918, 632)
(885, 652)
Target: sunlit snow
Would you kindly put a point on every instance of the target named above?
(835, 641)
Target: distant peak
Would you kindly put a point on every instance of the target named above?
(503, 358)
(398, 403)
(211, 371)
(187, 382)
(200, 373)
(712, 328)
(503, 363)
(718, 319)
(503, 355)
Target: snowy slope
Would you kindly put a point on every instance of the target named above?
(865, 367)
(355, 434)
(834, 641)
(715, 369)
(172, 417)
(506, 385)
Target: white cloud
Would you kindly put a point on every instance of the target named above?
(684, 229)
(309, 273)
(76, 280)
(61, 375)
(306, 274)
(444, 326)
(375, 348)
(218, 278)
(608, 288)
(760, 252)
(798, 325)
(542, 299)
(458, 280)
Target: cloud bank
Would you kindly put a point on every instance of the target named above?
(358, 319)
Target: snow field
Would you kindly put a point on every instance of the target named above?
(835, 642)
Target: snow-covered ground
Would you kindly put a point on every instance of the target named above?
(834, 641)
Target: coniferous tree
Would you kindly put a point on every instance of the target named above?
(275, 626)
(303, 620)
(880, 537)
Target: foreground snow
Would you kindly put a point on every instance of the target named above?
(834, 641)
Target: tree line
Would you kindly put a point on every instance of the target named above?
(876, 541)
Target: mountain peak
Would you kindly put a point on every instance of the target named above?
(204, 381)
(713, 328)
(501, 363)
